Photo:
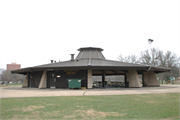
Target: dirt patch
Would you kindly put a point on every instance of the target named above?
(31, 108)
(93, 114)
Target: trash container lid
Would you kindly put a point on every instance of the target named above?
(171, 78)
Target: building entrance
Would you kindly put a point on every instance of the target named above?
(52, 80)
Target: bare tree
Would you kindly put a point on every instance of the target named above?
(150, 58)
(169, 60)
(8, 76)
(130, 58)
(156, 58)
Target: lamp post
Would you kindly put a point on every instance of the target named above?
(150, 42)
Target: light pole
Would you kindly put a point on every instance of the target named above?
(150, 42)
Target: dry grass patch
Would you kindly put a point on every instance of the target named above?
(151, 102)
(14, 109)
(93, 114)
(18, 99)
(56, 113)
(34, 114)
(31, 108)
(26, 109)
(80, 106)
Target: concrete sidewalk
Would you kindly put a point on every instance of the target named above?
(8, 92)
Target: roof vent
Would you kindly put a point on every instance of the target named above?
(52, 61)
(72, 57)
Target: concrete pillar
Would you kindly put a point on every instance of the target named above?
(150, 79)
(125, 79)
(89, 80)
(103, 79)
(43, 82)
(133, 79)
(25, 82)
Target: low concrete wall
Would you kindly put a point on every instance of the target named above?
(25, 82)
(133, 79)
(150, 79)
(43, 82)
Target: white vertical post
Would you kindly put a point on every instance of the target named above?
(89, 80)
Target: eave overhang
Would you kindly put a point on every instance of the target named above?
(96, 64)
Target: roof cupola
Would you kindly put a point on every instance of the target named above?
(90, 52)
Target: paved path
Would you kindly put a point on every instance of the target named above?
(8, 92)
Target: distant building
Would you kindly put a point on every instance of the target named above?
(13, 66)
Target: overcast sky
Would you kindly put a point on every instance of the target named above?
(35, 31)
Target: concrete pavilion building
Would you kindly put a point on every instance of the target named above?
(89, 62)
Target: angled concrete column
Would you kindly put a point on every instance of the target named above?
(89, 80)
(25, 82)
(133, 78)
(150, 79)
(43, 82)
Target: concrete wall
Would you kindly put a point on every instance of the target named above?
(133, 79)
(25, 82)
(43, 82)
(89, 80)
(150, 79)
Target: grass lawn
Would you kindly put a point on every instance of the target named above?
(146, 106)
(11, 85)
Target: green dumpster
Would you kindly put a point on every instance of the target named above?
(74, 83)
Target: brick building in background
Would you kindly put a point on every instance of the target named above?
(13, 66)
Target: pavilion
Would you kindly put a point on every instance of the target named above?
(89, 62)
